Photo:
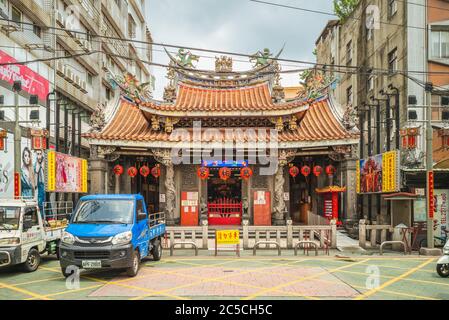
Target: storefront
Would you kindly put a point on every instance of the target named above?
(224, 147)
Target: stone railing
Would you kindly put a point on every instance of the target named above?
(373, 234)
(197, 235)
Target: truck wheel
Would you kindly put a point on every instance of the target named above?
(443, 270)
(157, 250)
(33, 261)
(134, 269)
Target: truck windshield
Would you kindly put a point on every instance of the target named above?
(104, 212)
(9, 218)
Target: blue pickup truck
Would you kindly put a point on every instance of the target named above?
(111, 232)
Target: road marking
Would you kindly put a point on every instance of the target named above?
(24, 291)
(302, 279)
(392, 281)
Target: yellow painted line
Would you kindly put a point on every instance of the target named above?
(392, 281)
(302, 279)
(37, 281)
(24, 291)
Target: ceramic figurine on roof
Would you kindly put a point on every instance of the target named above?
(315, 83)
(223, 64)
(131, 87)
(261, 58)
(186, 58)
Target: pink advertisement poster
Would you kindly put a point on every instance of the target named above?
(32, 82)
(68, 173)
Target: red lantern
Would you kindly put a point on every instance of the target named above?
(246, 173)
(409, 138)
(132, 172)
(3, 136)
(156, 171)
(38, 139)
(225, 173)
(317, 171)
(294, 171)
(118, 170)
(203, 173)
(330, 170)
(144, 171)
(305, 171)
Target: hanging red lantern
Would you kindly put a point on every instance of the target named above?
(330, 170)
(132, 172)
(305, 171)
(3, 136)
(225, 173)
(118, 170)
(317, 171)
(246, 173)
(203, 173)
(38, 139)
(156, 171)
(409, 138)
(144, 171)
(294, 171)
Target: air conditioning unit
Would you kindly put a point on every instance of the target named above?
(60, 68)
(77, 81)
(104, 65)
(68, 75)
(83, 86)
(60, 19)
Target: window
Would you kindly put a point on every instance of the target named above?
(89, 79)
(31, 215)
(349, 96)
(349, 53)
(439, 46)
(131, 27)
(370, 81)
(392, 8)
(109, 94)
(16, 16)
(37, 30)
(140, 208)
(393, 60)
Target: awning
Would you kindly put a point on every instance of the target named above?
(401, 196)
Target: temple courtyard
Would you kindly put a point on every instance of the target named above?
(266, 276)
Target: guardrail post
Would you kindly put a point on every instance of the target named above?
(245, 234)
(334, 234)
(373, 236)
(289, 234)
(362, 234)
(205, 235)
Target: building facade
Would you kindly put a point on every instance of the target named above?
(227, 147)
(382, 55)
(78, 46)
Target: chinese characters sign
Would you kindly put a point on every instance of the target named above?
(228, 237)
(32, 82)
(66, 174)
(379, 174)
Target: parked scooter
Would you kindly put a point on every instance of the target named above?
(443, 263)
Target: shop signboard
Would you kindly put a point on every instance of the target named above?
(32, 82)
(65, 173)
(379, 173)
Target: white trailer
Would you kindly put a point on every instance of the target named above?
(26, 233)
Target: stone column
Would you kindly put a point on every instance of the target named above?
(164, 157)
(348, 168)
(279, 203)
(97, 171)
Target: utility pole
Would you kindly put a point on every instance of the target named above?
(17, 139)
(429, 165)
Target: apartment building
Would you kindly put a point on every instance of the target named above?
(77, 47)
(391, 46)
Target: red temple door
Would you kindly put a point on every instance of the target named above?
(262, 208)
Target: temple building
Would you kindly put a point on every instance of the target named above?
(226, 146)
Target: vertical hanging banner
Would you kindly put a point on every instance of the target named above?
(65, 174)
(431, 190)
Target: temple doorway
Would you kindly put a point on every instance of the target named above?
(224, 199)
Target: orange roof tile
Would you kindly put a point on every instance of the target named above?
(129, 124)
(254, 98)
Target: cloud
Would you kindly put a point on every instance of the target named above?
(235, 26)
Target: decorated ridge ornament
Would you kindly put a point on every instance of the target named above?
(118, 170)
(317, 171)
(294, 171)
(156, 171)
(203, 173)
(305, 171)
(225, 173)
(330, 170)
(246, 173)
(144, 171)
(132, 172)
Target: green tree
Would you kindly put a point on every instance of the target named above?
(343, 8)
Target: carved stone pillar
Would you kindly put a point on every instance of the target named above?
(98, 167)
(163, 156)
(348, 168)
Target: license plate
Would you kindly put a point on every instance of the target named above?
(91, 264)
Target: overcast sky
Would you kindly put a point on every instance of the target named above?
(237, 26)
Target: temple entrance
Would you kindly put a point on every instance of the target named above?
(224, 199)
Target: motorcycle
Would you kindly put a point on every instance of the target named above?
(443, 263)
